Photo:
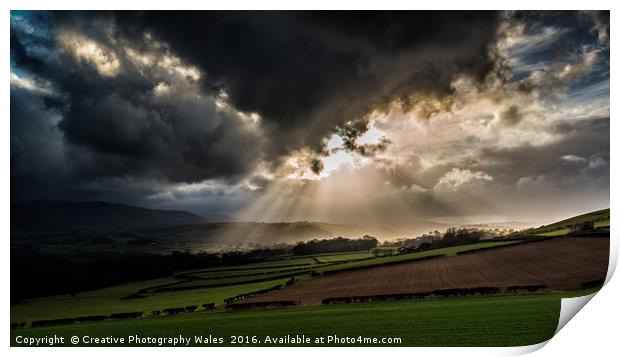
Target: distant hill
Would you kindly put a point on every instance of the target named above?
(600, 219)
(67, 222)
(100, 216)
(218, 218)
(88, 220)
(249, 232)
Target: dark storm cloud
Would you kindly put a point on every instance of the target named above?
(305, 73)
(115, 126)
(37, 155)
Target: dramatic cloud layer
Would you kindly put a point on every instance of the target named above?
(413, 115)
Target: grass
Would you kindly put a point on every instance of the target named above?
(62, 306)
(125, 289)
(234, 280)
(602, 224)
(280, 263)
(558, 232)
(255, 273)
(501, 320)
(343, 257)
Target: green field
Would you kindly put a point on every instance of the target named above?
(501, 320)
(329, 258)
(600, 219)
(124, 289)
(113, 299)
(233, 281)
(256, 273)
(558, 232)
(55, 307)
(260, 265)
(602, 224)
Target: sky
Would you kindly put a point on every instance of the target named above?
(343, 117)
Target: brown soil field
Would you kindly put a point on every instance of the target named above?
(561, 264)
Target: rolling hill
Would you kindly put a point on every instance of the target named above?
(600, 219)
(98, 216)
(52, 220)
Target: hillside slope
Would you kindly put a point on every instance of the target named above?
(100, 216)
(600, 219)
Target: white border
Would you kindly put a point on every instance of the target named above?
(591, 331)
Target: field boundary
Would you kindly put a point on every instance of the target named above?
(330, 272)
(233, 303)
(438, 293)
(217, 269)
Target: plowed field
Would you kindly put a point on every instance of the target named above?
(560, 264)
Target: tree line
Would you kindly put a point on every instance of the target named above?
(452, 237)
(335, 245)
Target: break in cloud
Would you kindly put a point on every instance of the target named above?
(346, 117)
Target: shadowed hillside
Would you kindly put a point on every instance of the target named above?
(100, 216)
